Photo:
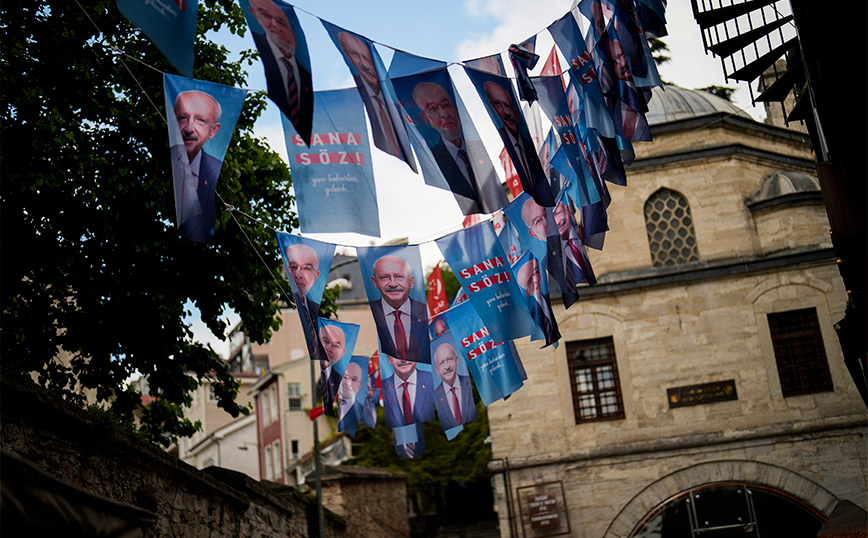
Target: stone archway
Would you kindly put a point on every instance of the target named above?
(670, 485)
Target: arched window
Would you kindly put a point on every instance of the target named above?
(670, 229)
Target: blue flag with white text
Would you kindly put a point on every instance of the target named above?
(490, 360)
(333, 178)
(481, 265)
(170, 25)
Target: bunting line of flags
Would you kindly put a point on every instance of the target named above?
(508, 266)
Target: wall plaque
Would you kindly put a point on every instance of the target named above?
(719, 391)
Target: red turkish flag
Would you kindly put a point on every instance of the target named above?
(512, 179)
(436, 292)
(552, 66)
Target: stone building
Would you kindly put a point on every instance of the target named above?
(699, 387)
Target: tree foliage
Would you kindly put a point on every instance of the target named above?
(659, 50)
(92, 261)
(463, 459)
(723, 92)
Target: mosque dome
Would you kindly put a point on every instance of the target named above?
(785, 183)
(673, 103)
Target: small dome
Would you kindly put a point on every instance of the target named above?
(783, 182)
(673, 103)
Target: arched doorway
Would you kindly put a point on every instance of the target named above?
(774, 489)
(730, 510)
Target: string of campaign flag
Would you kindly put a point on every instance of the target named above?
(508, 266)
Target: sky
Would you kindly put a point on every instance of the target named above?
(451, 31)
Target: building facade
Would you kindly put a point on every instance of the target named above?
(699, 388)
(223, 441)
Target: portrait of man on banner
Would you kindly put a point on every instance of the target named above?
(505, 111)
(338, 340)
(453, 393)
(375, 88)
(408, 391)
(351, 394)
(307, 263)
(577, 266)
(201, 119)
(397, 303)
(409, 440)
(283, 50)
(449, 137)
(530, 280)
(493, 363)
(537, 232)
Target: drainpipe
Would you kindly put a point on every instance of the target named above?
(506, 487)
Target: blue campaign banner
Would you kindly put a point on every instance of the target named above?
(334, 178)
(530, 221)
(404, 63)
(481, 265)
(553, 101)
(409, 440)
(201, 125)
(530, 276)
(307, 263)
(398, 305)
(523, 58)
(453, 393)
(549, 146)
(352, 394)
(489, 360)
(450, 152)
(569, 40)
(338, 341)
(571, 230)
(170, 25)
(490, 64)
(504, 109)
(282, 47)
(507, 235)
(375, 88)
(413, 378)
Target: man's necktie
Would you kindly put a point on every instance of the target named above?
(408, 407)
(386, 124)
(291, 92)
(455, 407)
(400, 336)
(464, 157)
(410, 449)
(577, 254)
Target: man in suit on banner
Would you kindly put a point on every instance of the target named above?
(303, 264)
(390, 133)
(454, 153)
(454, 397)
(519, 147)
(577, 266)
(408, 397)
(289, 82)
(198, 116)
(348, 402)
(333, 341)
(529, 279)
(402, 322)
